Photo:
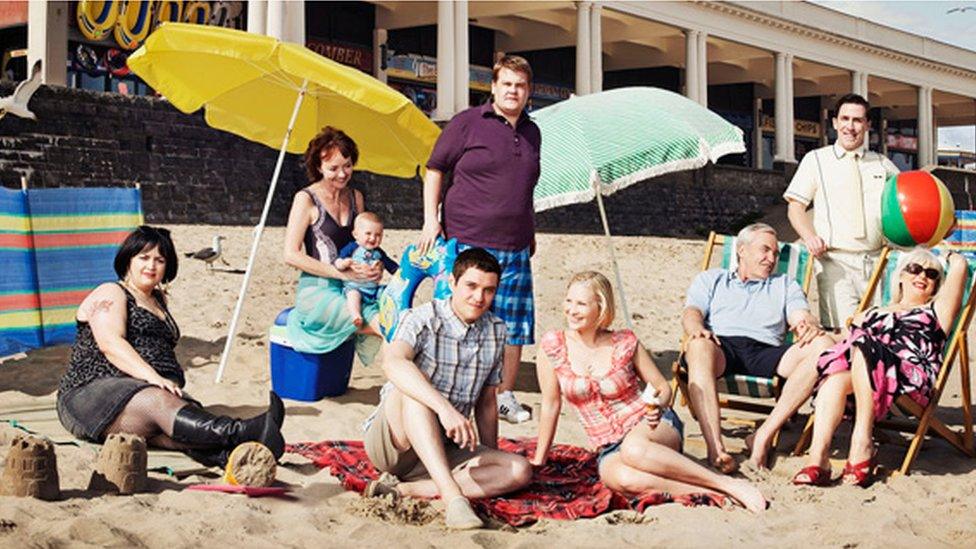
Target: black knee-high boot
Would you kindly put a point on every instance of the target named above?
(215, 436)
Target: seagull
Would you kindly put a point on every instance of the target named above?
(210, 254)
(16, 104)
(961, 9)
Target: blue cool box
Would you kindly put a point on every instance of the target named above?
(307, 376)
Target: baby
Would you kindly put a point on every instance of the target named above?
(367, 229)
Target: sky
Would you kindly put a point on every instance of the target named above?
(930, 19)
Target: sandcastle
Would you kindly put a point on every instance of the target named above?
(121, 465)
(251, 464)
(31, 469)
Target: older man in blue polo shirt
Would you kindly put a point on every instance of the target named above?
(735, 322)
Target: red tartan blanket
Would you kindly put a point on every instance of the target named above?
(567, 487)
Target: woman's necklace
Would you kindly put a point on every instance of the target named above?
(143, 300)
(585, 354)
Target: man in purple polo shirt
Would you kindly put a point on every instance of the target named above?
(492, 154)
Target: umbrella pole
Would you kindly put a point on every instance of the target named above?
(232, 332)
(613, 255)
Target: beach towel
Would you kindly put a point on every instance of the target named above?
(568, 487)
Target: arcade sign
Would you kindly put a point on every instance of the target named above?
(131, 21)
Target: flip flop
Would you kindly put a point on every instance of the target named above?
(859, 474)
(816, 476)
(249, 491)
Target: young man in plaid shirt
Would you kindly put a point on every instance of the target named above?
(443, 366)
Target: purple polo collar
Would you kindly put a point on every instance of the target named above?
(488, 110)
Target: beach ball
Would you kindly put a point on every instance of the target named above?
(916, 209)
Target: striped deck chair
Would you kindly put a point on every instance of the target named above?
(795, 261)
(60, 244)
(20, 313)
(911, 417)
(963, 239)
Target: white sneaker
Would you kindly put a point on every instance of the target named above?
(510, 410)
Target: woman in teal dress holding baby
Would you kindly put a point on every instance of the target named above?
(319, 225)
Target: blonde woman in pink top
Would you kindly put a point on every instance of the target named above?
(600, 371)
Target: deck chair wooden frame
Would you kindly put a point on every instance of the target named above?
(957, 348)
(732, 387)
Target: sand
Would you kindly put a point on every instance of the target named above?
(934, 506)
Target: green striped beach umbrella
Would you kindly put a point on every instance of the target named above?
(613, 139)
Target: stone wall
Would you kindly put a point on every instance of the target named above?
(191, 173)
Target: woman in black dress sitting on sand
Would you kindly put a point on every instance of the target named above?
(123, 376)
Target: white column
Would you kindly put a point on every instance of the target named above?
(784, 108)
(757, 134)
(596, 49)
(924, 126)
(379, 40)
(824, 120)
(859, 83)
(691, 65)
(257, 16)
(702, 51)
(294, 26)
(934, 129)
(462, 71)
(583, 47)
(883, 131)
(275, 22)
(791, 143)
(445, 60)
(47, 40)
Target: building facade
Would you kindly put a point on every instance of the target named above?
(772, 68)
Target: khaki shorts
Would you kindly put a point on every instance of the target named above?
(841, 283)
(406, 465)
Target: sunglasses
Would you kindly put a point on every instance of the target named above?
(914, 269)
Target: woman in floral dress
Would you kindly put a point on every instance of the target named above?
(890, 351)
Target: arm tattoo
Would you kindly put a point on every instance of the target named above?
(102, 306)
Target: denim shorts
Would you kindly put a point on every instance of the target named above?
(668, 417)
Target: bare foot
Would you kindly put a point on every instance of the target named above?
(725, 464)
(860, 450)
(757, 450)
(357, 321)
(747, 495)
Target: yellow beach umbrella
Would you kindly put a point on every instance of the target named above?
(281, 95)
(247, 83)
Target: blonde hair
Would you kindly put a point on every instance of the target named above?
(923, 257)
(601, 288)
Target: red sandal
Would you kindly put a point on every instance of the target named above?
(816, 476)
(859, 474)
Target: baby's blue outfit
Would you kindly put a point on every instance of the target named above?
(359, 254)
